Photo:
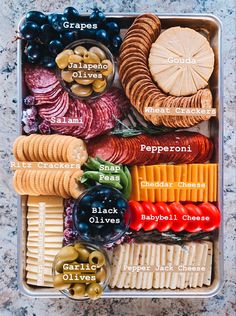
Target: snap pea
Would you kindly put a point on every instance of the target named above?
(92, 163)
(127, 190)
(104, 162)
(95, 175)
(123, 178)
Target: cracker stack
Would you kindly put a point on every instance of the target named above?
(46, 179)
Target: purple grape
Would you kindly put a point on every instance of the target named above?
(68, 221)
(29, 100)
(69, 211)
(68, 233)
(29, 116)
(30, 129)
(44, 127)
(66, 241)
(67, 203)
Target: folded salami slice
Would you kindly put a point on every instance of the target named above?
(37, 77)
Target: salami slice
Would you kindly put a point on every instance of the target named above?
(39, 77)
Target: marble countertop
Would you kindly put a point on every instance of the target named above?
(14, 303)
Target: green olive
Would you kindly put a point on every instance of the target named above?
(59, 266)
(99, 85)
(67, 254)
(101, 275)
(78, 290)
(76, 59)
(80, 50)
(94, 291)
(98, 51)
(78, 246)
(67, 75)
(83, 255)
(59, 283)
(91, 58)
(62, 58)
(84, 82)
(109, 70)
(81, 91)
(97, 258)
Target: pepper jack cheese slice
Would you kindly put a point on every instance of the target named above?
(181, 61)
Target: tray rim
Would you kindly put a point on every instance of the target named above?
(134, 293)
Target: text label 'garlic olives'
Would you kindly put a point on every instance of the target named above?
(79, 273)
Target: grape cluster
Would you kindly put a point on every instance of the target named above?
(29, 116)
(46, 37)
(69, 234)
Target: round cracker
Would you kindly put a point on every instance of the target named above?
(77, 152)
(75, 187)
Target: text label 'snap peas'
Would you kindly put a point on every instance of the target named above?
(101, 215)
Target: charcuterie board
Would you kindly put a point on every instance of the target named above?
(118, 163)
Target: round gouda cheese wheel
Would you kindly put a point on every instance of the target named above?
(181, 61)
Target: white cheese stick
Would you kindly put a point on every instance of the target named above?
(32, 215)
(35, 282)
(47, 239)
(46, 244)
(35, 262)
(46, 257)
(34, 269)
(34, 276)
(37, 250)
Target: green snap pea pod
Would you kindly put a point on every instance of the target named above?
(92, 164)
(127, 190)
(106, 163)
(123, 178)
(95, 175)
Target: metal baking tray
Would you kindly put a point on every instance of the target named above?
(211, 26)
